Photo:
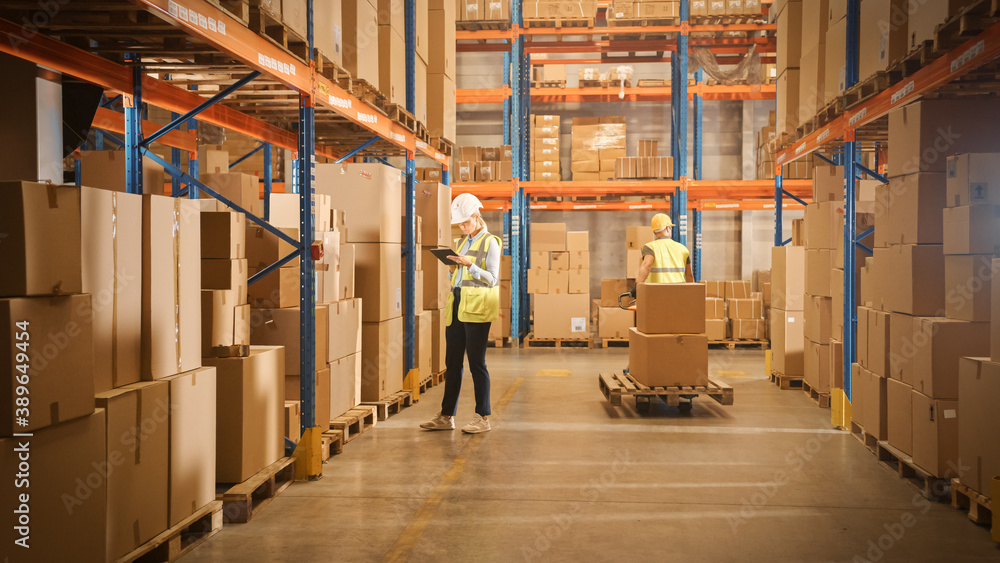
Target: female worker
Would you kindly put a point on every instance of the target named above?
(473, 304)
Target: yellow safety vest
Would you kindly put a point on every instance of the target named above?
(669, 261)
(480, 300)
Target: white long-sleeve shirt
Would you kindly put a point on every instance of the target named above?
(492, 272)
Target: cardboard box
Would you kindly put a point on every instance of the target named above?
(924, 21)
(136, 432)
(787, 342)
(441, 39)
(328, 27)
(60, 456)
(292, 420)
(739, 289)
(939, 344)
(637, 237)
(538, 281)
(828, 183)
(437, 284)
(540, 260)
(277, 290)
(717, 329)
(345, 384)
(819, 278)
(902, 347)
(967, 282)
(548, 237)
(715, 308)
(111, 261)
(293, 387)
(836, 56)
(328, 267)
(955, 124)
(883, 34)
(285, 213)
(745, 308)
(935, 434)
(859, 394)
(357, 189)
(614, 322)
(106, 170)
(191, 479)
(818, 314)
(345, 328)
(611, 289)
(433, 206)
(789, 36)
(224, 274)
(659, 360)
(265, 248)
(816, 364)
(42, 242)
(578, 241)
(249, 406)
(381, 359)
(562, 316)
(579, 281)
(392, 69)
(876, 406)
(225, 321)
(916, 286)
(914, 209)
(971, 229)
(361, 53)
(579, 260)
(820, 221)
(788, 100)
(978, 389)
(861, 348)
(559, 261)
(379, 283)
(280, 327)
(879, 342)
(558, 281)
(633, 258)
(715, 289)
(223, 234)
(423, 342)
(749, 329)
(670, 308)
(241, 189)
(441, 96)
(836, 366)
(971, 179)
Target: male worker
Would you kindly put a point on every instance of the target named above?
(664, 260)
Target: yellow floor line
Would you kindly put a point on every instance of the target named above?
(415, 529)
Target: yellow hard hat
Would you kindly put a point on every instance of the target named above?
(661, 221)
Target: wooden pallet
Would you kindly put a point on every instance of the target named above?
(238, 9)
(175, 542)
(612, 342)
(531, 341)
(652, 82)
(930, 487)
(399, 114)
(734, 344)
(442, 145)
(244, 500)
(426, 384)
(870, 87)
(610, 83)
(422, 133)
(355, 422)
(368, 94)
(333, 443)
(869, 441)
(643, 22)
(821, 399)
(392, 404)
(979, 507)
(478, 25)
(329, 70)
(501, 342)
(969, 22)
(614, 386)
(270, 27)
(548, 84)
(438, 378)
(725, 20)
(558, 22)
(237, 351)
(786, 381)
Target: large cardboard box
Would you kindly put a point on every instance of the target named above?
(788, 277)
(717, 329)
(437, 283)
(41, 246)
(441, 96)
(347, 266)
(787, 342)
(438, 341)
(859, 394)
(223, 233)
(914, 210)
(939, 343)
(972, 179)
(789, 36)
(548, 237)
(715, 308)
(818, 314)
(883, 35)
(670, 308)
(789, 117)
(225, 274)
(935, 434)
(224, 321)
(265, 248)
(836, 55)
(381, 359)
(345, 384)
(171, 286)
(278, 289)
(60, 456)
(979, 426)
(241, 189)
(614, 322)
(821, 220)
(747, 309)
(106, 170)
(111, 260)
(392, 64)
(613, 288)
(916, 283)
(967, 281)
(328, 267)
(637, 237)
(423, 342)
(819, 273)
(538, 281)
(370, 196)
(972, 229)
(861, 349)
(659, 360)
(280, 327)
(58, 370)
(633, 258)
(361, 53)
(562, 316)
(293, 392)
(899, 422)
(345, 328)
(953, 126)
(876, 406)
(924, 21)
(249, 405)
(749, 329)
(903, 330)
(433, 207)
(879, 342)
(191, 477)
(328, 30)
(379, 283)
(137, 441)
(441, 34)
(816, 363)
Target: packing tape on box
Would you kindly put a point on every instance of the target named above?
(177, 281)
(114, 287)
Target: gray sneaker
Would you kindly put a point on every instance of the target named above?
(439, 422)
(478, 424)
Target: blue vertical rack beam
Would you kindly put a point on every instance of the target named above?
(175, 159)
(507, 99)
(526, 173)
(517, 150)
(679, 89)
(697, 245)
(307, 295)
(268, 179)
(133, 129)
(778, 241)
(409, 319)
(192, 125)
(850, 157)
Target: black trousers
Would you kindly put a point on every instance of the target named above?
(465, 339)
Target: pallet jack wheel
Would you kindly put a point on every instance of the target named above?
(685, 407)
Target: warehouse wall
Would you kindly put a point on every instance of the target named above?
(734, 243)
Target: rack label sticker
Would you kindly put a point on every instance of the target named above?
(367, 118)
(966, 57)
(726, 206)
(275, 65)
(858, 116)
(903, 92)
(641, 206)
(342, 103)
(781, 159)
(585, 206)
(421, 145)
(397, 137)
(822, 136)
(799, 149)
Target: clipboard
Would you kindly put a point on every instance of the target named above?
(443, 254)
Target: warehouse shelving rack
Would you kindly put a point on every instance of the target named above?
(866, 122)
(264, 91)
(673, 43)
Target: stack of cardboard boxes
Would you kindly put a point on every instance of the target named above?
(733, 311)
(545, 163)
(484, 164)
(725, 7)
(643, 9)
(614, 322)
(440, 87)
(433, 206)
(648, 165)
(598, 142)
(559, 279)
(360, 26)
(787, 310)
(483, 10)
(500, 329)
(558, 9)
(668, 346)
(788, 15)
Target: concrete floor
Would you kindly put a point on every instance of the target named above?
(566, 477)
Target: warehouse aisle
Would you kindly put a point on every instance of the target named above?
(565, 477)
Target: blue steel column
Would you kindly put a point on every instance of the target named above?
(175, 159)
(517, 153)
(506, 100)
(526, 175)
(307, 295)
(409, 318)
(682, 216)
(133, 129)
(192, 125)
(268, 179)
(850, 187)
(697, 245)
(698, 137)
(778, 240)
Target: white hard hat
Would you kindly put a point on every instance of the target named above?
(463, 207)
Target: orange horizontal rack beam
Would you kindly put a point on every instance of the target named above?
(660, 206)
(109, 120)
(959, 61)
(632, 94)
(697, 189)
(527, 30)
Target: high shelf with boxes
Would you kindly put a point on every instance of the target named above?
(672, 30)
(251, 71)
(906, 240)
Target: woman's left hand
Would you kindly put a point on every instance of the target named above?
(461, 261)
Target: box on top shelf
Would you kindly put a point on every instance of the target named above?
(357, 189)
(361, 53)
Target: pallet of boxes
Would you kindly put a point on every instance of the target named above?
(598, 142)
(485, 164)
(613, 322)
(559, 281)
(545, 156)
(787, 323)
(500, 329)
(433, 202)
